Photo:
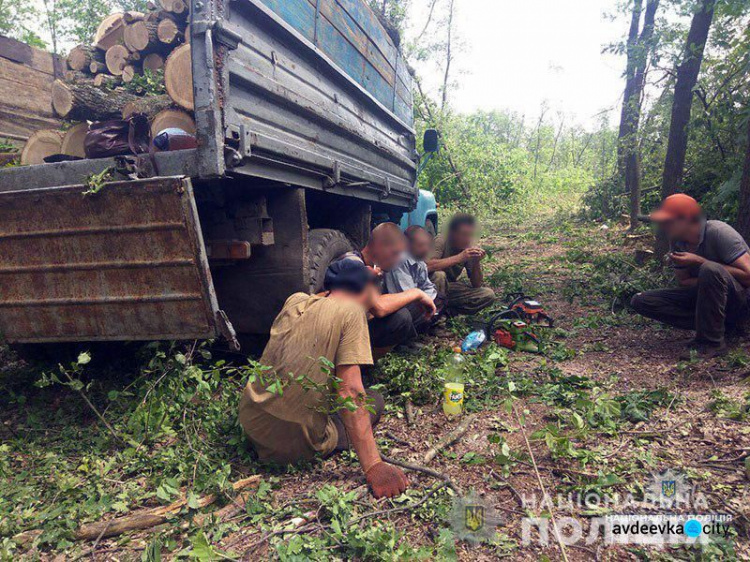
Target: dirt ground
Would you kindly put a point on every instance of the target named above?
(631, 354)
(620, 353)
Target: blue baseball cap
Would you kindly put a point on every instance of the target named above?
(348, 275)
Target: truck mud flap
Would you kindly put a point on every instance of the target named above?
(125, 263)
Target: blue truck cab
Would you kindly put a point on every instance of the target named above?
(425, 214)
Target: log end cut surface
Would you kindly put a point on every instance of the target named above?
(73, 141)
(178, 77)
(62, 98)
(40, 145)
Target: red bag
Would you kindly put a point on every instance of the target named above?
(118, 137)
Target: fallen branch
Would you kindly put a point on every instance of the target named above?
(151, 518)
(449, 439)
(423, 470)
(396, 439)
(393, 510)
(545, 496)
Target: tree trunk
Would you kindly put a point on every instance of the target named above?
(633, 115)
(82, 102)
(448, 56)
(687, 77)
(743, 223)
(626, 131)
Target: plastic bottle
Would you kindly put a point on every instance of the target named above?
(453, 392)
(474, 341)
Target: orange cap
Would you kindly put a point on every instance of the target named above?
(678, 206)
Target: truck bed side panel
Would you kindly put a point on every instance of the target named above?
(311, 115)
(125, 264)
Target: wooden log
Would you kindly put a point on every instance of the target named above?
(147, 105)
(179, 7)
(110, 32)
(172, 118)
(40, 145)
(132, 17)
(178, 77)
(129, 72)
(153, 62)
(73, 141)
(187, 34)
(86, 102)
(168, 32)
(106, 80)
(141, 36)
(151, 518)
(81, 57)
(96, 67)
(116, 59)
(173, 6)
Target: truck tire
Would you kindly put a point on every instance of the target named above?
(324, 246)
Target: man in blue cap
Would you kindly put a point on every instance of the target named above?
(300, 423)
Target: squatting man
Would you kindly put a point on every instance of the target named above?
(712, 266)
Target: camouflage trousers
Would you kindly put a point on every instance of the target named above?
(461, 297)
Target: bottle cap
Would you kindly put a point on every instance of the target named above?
(457, 349)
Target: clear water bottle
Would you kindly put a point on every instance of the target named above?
(453, 392)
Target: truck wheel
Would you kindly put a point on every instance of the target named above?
(324, 246)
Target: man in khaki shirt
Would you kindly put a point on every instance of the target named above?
(297, 423)
(453, 254)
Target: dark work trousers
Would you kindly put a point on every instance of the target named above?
(716, 301)
(398, 328)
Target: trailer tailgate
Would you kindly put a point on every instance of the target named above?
(126, 263)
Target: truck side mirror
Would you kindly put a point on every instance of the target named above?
(431, 141)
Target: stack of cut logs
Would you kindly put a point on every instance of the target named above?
(125, 45)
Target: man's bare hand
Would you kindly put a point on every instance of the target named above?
(429, 305)
(686, 259)
(472, 254)
(386, 481)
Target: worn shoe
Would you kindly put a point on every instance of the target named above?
(704, 351)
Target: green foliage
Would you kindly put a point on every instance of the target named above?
(726, 407)
(60, 467)
(421, 379)
(94, 183)
(502, 165)
(150, 83)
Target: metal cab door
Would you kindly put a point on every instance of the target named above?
(125, 263)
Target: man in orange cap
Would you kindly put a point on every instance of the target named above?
(712, 265)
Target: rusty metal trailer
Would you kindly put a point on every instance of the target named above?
(304, 117)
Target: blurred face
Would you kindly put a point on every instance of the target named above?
(387, 253)
(420, 245)
(677, 229)
(463, 237)
(367, 297)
